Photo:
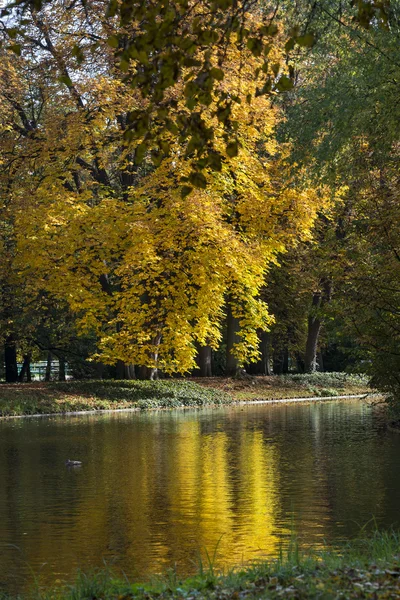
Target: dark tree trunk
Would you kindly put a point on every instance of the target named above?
(125, 371)
(10, 359)
(285, 360)
(299, 362)
(61, 369)
(99, 369)
(232, 337)
(25, 369)
(48, 367)
(281, 361)
(263, 366)
(204, 361)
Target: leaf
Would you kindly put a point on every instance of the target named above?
(185, 191)
(12, 32)
(78, 53)
(113, 41)
(284, 84)
(16, 48)
(215, 161)
(255, 46)
(217, 74)
(223, 113)
(165, 147)
(290, 44)
(65, 79)
(198, 180)
(266, 89)
(273, 29)
(232, 149)
(140, 153)
(112, 8)
(124, 66)
(306, 41)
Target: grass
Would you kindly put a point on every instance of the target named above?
(291, 386)
(364, 568)
(83, 395)
(61, 397)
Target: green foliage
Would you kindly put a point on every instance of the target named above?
(148, 394)
(72, 396)
(367, 567)
(327, 379)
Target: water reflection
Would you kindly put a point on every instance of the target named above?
(158, 490)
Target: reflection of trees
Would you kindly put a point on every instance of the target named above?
(157, 490)
(332, 467)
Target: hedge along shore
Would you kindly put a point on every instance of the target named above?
(81, 397)
(364, 568)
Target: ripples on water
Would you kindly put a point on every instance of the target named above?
(160, 489)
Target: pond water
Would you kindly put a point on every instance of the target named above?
(160, 490)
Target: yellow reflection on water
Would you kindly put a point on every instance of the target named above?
(162, 490)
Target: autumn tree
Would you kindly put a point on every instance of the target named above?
(146, 264)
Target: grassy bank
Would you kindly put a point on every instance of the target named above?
(290, 386)
(368, 568)
(61, 397)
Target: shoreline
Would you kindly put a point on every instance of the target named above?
(234, 403)
(366, 567)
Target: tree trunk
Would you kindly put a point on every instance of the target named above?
(265, 354)
(61, 369)
(154, 356)
(321, 361)
(25, 369)
(232, 337)
(263, 366)
(10, 359)
(310, 357)
(319, 299)
(204, 361)
(285, 360)
(48, 367)
(278, 362)
(299, 362)
(130, 371)
(125, 371)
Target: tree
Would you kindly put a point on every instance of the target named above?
(344, 125)
(132, 255)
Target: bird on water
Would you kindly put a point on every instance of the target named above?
(73, 463)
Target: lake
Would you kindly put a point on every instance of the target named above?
(160, 490)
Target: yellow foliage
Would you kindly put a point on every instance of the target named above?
(148, 270)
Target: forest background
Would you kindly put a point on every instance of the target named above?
(200, 187)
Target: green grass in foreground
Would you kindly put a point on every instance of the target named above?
(367, 568)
